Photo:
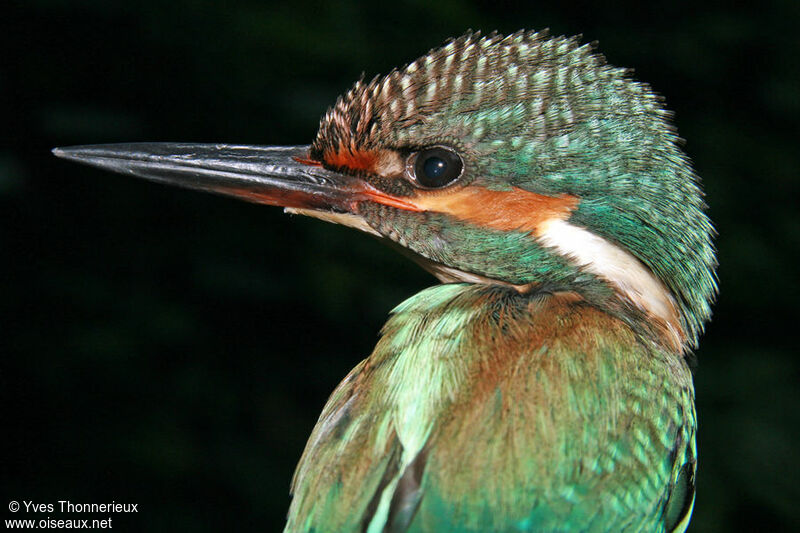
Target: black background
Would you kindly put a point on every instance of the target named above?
(174, 349)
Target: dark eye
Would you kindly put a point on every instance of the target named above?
(436, 167)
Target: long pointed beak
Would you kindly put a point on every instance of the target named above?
(272, 175)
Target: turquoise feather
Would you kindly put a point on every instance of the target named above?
(484, 410)
(555, 407)
(545, 387)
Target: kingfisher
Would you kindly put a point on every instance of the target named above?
(544, 384)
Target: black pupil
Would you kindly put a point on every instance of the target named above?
(437, 167)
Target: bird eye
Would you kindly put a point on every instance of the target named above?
(436, 167)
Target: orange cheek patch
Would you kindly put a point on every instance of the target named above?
(380, 197)
(512, 210)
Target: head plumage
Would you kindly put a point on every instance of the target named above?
(546, 115)
(520, 75)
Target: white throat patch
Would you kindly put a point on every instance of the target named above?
(629, 276)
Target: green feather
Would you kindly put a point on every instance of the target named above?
(551, 117)
(486, 409)
(481, 409)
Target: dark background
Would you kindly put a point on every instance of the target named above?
(173, 349)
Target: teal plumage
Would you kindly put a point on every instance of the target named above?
(544, 386)
(592, 425)
(547, 115)
(484, 410)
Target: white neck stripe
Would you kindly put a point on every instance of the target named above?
(629, 276)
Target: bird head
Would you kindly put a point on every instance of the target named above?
(524, 161)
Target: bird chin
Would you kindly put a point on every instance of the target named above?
(442, 272)
(345, 219)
